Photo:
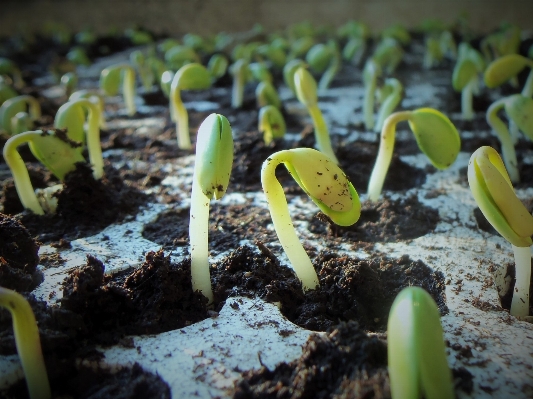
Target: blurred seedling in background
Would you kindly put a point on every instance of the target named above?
(271, 123)
(110, 79)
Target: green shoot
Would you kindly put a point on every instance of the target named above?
(494, 194)
(144, 69)
(110, 78)
(78, 56)
(390, 96)
(260, 72)
(289, 70)
(504, 68)
(189, 77)
(8, 68)
(465, 77)
(306, 91)
(271, 123)
(6, 92)
(354, 49)
(324, 59)
(266, 94)
(212, 170)
(435, 135)
(371, 73)
(416, 349)
(28, 343)
(300, 47)
(397, 32)
(69, 82)
(165, 82)
(433, 54)
(217, 66)
(9, 121)
(241, 73)
(95, 97)
(328, 187)
(388, 55)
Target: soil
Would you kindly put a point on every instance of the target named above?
(351, 304)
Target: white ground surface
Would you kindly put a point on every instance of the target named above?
(204, 359)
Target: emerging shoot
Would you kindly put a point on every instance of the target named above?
(10, 110)
(110, 78)
(370, 79)
(271, 123)
(469, 65)
(328, 187)
(504, 68)
(390, 96)
(241, 73)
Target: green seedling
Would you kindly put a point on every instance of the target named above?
(328, 187)
(189, 77)
(494, 194)
(110, 79)
(390, 95)
(78, 56)
(266, 94)
(274, 53)
(306, 91)
(447, 44)
(371, 73)
(27, 342)
(167, 44)
(353, 29)
(165, 83)
(271, 123)
(26, 104)
(217, 66)
(157, 66)
(212, 170)
(388, 55)
(300, 47)
(397, 32)
(180, 55)
(144, 70)
(260, 72)
(433, 54)
(324, 59)
(244, 51)
(289, 70)
(465, 77)
(519, 110)
(86, 37)
(138, 37)
(435, 135)
(241, 73)
(503, 42)
(416, 348)
(354, 50)
(9, 68)
(504, 68)
(198, 43)
(95, 97)
(56, 152)
(6, 91)
(69, 82)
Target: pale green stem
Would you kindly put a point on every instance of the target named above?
(27, 342)
(368, 103)
(322, 138)
(466, 101)
(508, 150)
(527, 90)
(181, 117)
(520, 302)
(388, 105)
(329, 74)
(514, 132)
(198, 235)
(237, 91)
(20, 172)
(279, 211)
(93, 140)
(383, 160)
(34, 107)
(128, 90)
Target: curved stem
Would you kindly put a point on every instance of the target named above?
(93, 140)
(389, 103)
(508, 150)
(520, 302)
(20, 172)
(27, 342)
(128, 90)
(329, 74)
(322, 138)
(279, 211)
(466, 101)
(383, 160)
(198, 235)
(182, 121)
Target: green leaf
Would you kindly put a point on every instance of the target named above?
(192, 77)
(520, 110)
(465, 70)
(306, 88)
(504, 68)
(110, 80)
(436, 136)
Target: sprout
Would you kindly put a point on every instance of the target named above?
(56, 152)
(9, 121)
(217, 66)
(493, 191)
(370, 78)
(465, 77)
(78, 56)
(504, 68)
(289, 70)
(390, 97)
(6, 92)
(266, 94)
(271, 123)
(95, 97)
(447, 44)
(69, 82)
(416, 349)
(397, 32)
(353, 29)
(138, 37)
(8, 67)
(300, 47)
(328, 187)
(433, 54)
(274, 52)
(388, 55)
(110, 81)
(354, 49)
(212, 170)
(519, 110)
(28, 343)
(260, 72)
(190, 77)
(144, 70)
(324, 59)
(306, 91)
(435, 135)
(241, 74)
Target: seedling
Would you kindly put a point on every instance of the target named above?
(144, 70)
(190, 77)
(78, 56)
(325, 183)
(306, 91)
(95, 97)
(212, 170)
(266, 94)
(494, 194)
(69, 82)
(274, 52)
(354, 49)
(324, 59)
(388, 55)
(241, 75)
(433, 54)
(371, 73)
(26, 104)
(390, 96)
(416, 349)
(397, 32)
(110, 78)
(9, 68)
(217, 66)
(300, 47)
(519, 110)
(165, 83)
(504, 68)
(271, 123)
(465, 77)
(27, 342)
(435, 135)
(260, 72)
(289, 70)
(6, 91)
